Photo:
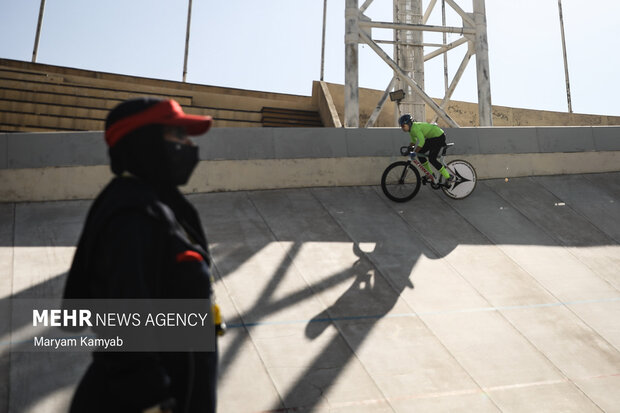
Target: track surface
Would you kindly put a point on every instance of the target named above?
(339, 300)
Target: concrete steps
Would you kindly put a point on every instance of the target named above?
(287, 118)
(38, 97)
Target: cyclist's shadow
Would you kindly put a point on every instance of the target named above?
(370, 297)
(355, 313)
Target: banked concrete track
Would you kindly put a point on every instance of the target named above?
(340, 301)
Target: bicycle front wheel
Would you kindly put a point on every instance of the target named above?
(400, 181)
(465, 179)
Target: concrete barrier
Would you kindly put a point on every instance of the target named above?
(56, 166)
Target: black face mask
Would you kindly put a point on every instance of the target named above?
(181, 160)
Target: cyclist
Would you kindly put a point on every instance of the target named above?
(428, 138)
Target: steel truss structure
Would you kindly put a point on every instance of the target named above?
(408, 63)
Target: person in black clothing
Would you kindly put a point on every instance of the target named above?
(143, 239)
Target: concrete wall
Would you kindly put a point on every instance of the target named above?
(465, 113)
(54, 166)
(324, 101)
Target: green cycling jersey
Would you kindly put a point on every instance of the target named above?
(421, 131)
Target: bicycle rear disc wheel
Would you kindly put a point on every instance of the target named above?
(400, 181)
(465, 179)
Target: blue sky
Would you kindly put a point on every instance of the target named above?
(275, 45)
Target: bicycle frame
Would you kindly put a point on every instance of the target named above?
(413, 158)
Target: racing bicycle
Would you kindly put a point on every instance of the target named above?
(401, 180)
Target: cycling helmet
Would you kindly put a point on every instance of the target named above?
(405, 119)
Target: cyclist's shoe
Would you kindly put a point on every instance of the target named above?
(450, 181)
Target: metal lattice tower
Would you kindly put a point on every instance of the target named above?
(408, 64)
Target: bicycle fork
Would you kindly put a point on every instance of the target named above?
(403, 175)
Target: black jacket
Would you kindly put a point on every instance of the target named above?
(130, 248)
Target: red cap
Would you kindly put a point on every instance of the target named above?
(166, 112)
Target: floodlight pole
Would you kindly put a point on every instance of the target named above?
(35, 51)
(189, 20)
(323, 40)
(568, 97)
